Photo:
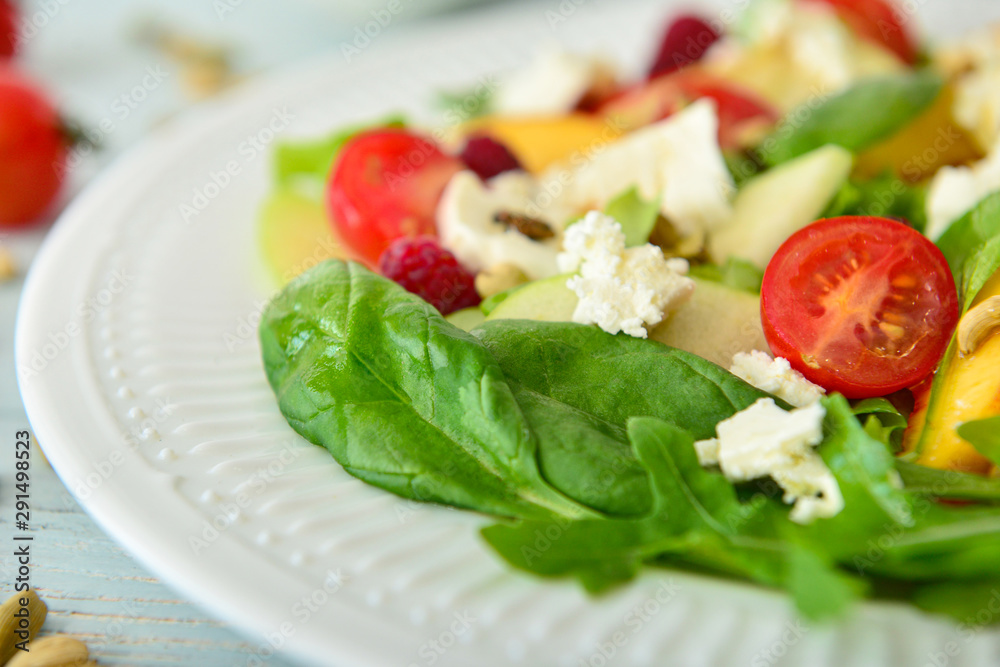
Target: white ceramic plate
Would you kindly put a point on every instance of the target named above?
(139, 368)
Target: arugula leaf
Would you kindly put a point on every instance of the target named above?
(691, 518)
(401, 398)
(972, 247)
(615, 378)
(311, 160)
(866, 475)
(886, 195)
(882, 421)
(947, 483)
(637, 216)
(872, 110)
(735, 272)
(821, 591)
(984, 435)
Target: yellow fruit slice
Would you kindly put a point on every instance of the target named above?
(970, 390)
(932, 141)
(541, 141)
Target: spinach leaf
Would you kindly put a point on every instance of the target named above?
(735, 272)
(860, 117)
(615, 378)
(972, 247)
(400, 397)
(984, 435)
(637, 216)
(310, 161)
(947, 483)
(585, 457)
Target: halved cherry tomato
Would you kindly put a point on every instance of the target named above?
(877, 21)
(33, 150)
(386, 185)
(859, 305)
(664, 96)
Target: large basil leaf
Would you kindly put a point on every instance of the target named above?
(972, 247)
(401, 398)
(860, 117)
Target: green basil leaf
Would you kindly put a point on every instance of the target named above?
(984, 435)
(736, 273)
(310, 161)
(883, 196)
(637, 216)
(401, 398)
(872, 110)
(972, 247)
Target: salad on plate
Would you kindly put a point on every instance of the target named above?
(738, 315)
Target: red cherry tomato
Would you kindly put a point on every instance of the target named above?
(664, 96)
(878, 21)
(863, 306)
(32, 151)
(386, 185)
(8, 29)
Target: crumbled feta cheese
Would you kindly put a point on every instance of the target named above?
(677, 160)
(553, 84)
(620, 289)
(765, 440)
(954, 191)
(467, 226)
(776, 376)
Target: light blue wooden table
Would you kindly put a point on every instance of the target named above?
(85, 53)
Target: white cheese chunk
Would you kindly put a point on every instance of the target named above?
(775, 376)
(553, 84)
(677, 160)
(620, 289)
(976, 107)
(954, 191)
(467, 226)
(791, 53)
(765, 440)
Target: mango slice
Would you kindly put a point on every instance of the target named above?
(540, 142)
(969, 390)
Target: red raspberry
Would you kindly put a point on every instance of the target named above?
(423, 267)
(686, 41)
(488, 157)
